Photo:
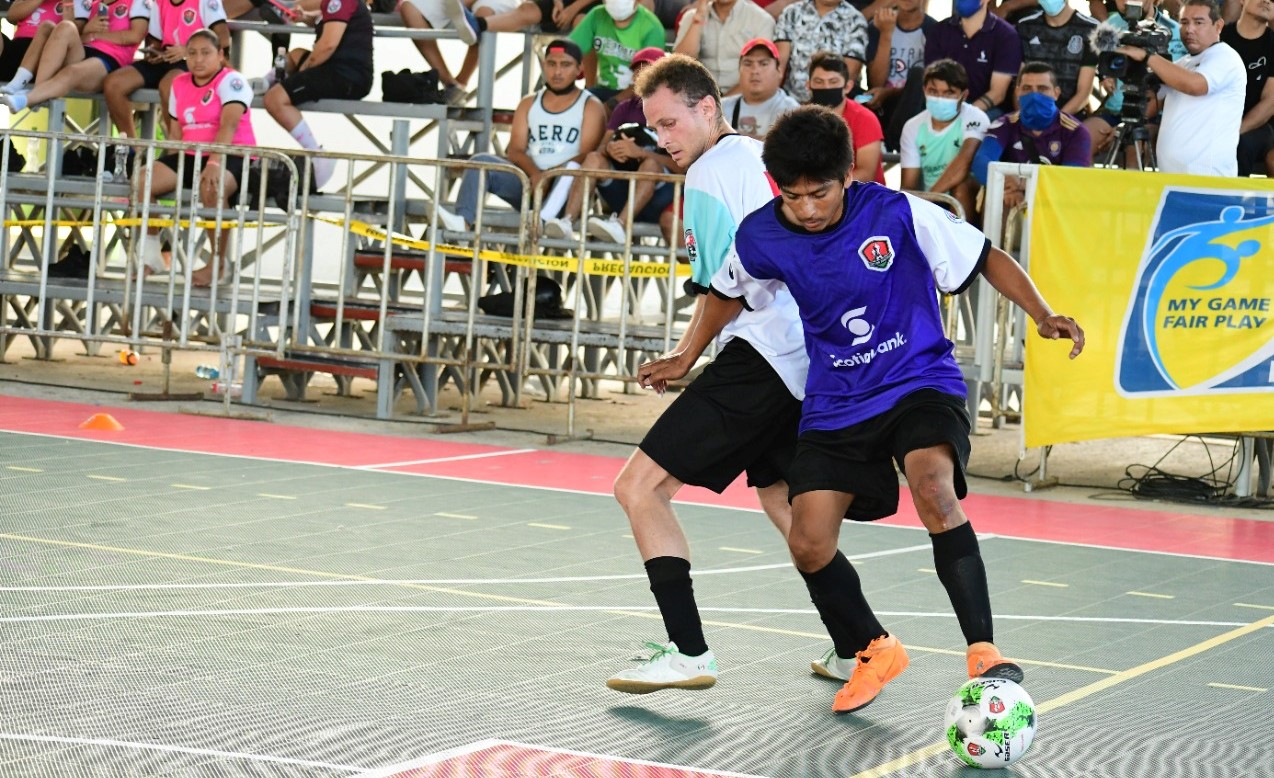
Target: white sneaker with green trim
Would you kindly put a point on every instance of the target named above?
(667, 668)
(832, 666)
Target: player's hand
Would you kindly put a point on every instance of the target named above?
(1055, 327)
(656, 373)
(95, 25)
(174, 54)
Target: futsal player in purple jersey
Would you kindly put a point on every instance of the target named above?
(864, 264)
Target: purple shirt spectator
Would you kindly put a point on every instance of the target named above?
(1065, 142)
(995, 48)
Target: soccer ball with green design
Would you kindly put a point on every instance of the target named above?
(990, 722)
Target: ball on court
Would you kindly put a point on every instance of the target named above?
(990, 722)
(128, 357)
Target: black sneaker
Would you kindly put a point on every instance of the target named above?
(75, 264)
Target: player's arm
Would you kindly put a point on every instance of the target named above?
(959, 168)
(326, 45)
(712, 313)
(1010, 280)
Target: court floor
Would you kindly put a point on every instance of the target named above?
(219, 598)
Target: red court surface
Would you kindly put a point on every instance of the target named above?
(1033, 517)
(504, 759)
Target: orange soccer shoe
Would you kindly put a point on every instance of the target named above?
(878, 664)
(985, 662)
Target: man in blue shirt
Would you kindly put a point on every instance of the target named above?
(864, 264)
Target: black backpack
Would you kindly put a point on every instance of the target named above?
(408, 87)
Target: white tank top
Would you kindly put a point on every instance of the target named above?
(553, 138)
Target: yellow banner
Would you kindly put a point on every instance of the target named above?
(1172, 279)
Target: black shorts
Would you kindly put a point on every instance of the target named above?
(110, 63)
(233, 166)
(859, 459)
(546, 15)
(737, 416)
(154, 72)
(324, 83)
(11, 57)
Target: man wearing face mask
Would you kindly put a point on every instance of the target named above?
(1036, 133)
(611, 34)
(828, 86)
(987, 46)
(1058, 35)
(939, 143)
(812, 26)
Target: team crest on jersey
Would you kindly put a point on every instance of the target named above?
(236, 84)
(121, 10)
(692, 248)
(188, 16)
(334, 6)
(57, 9)
(207, 97)
(877, 253)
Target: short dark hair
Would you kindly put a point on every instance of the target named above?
(684, 76)
(1044, 67)
(1214, 10)
(809, 143)
(950, 71)
(832, 63)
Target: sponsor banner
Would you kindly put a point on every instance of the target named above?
(1172, 278)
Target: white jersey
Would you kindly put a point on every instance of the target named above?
(724, 185)
(553, 138)
(1199, 134)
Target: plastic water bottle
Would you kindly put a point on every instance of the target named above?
(207, 371)
(280, 65)
(231, 388)
(121, 163)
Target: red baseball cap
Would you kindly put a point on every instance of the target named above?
(646, 56)
(763, 43)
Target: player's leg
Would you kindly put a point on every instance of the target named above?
(931, 441)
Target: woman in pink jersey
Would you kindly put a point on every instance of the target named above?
(33, 21)
(208, 104)
(79, 54)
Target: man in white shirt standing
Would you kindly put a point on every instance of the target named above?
(712, 32)
(1203, 96)
(760, 101)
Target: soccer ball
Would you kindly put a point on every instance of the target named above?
(990, 722)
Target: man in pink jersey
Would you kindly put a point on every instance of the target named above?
(171, 24)
(33, 21)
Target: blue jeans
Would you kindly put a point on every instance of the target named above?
(504, 185)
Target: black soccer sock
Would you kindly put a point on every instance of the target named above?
(674, 593)
(959, 564)
(837, 593)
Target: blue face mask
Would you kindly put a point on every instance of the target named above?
(944, 109)
(1036, 111)
(1052, 7)
(967, 8)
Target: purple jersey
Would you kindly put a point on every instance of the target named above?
(867, 289)
(1065, 142)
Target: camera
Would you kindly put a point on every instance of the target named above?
(1137, 81)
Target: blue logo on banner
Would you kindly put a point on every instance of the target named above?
(1201, 318)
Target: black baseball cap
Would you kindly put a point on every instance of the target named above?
(566, 46)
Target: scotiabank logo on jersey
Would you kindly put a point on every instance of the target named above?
(1201, 317)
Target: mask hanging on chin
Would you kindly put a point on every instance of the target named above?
(1036, 111)
(620, 10)
(966, 8)
(830, 97)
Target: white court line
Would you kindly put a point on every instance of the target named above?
(482, 745)
(487, 455)
(82, 741)
(570, 609)
(432, 581)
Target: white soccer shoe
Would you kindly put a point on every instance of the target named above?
(832, 666)
(667, 668)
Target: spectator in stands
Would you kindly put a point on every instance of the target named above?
(895, 56)
(552, 128)
(548, 15)
(713, 32)
(813, 26)
(339, 67)
(611, 35)
(987, 47)
(620, 150)
(939, 143)
(437, 14)
(79, 54)
(1058, 34)
(210, 103)
(1202, 96)
(33, 21)
(1252, 38)
(760, 101)
(171, 24)
(1037, 132)
(1101, 126)
(829, 86)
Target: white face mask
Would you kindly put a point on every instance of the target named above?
(620, 10)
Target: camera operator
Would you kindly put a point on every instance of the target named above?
(1203, 96)
(1144, 19)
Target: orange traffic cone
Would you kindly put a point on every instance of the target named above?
(102, 421)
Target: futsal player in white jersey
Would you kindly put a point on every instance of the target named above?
(740, 415)
(864, 264)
